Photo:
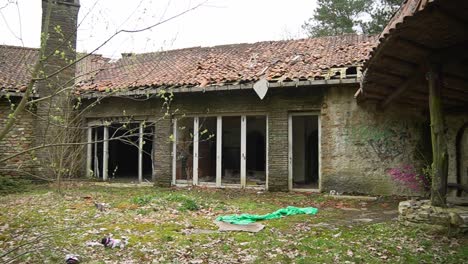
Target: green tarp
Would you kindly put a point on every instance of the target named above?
(244, 219)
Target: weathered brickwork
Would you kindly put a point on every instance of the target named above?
(276, 105)
(54, 113)
(19, 139)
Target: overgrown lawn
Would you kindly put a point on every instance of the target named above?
(176, 226)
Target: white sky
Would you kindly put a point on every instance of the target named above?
(217, 22)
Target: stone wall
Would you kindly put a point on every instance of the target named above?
(454, 124)
(19, 139)
(421, 212)
(360, 144)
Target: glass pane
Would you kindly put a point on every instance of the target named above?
(207, 150)
(231, 150)
(184, 149)
(256, 150)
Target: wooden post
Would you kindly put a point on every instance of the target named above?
(439, 144)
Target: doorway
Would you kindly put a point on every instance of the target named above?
(304, 137)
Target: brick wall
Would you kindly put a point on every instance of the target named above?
(55, 113)
(19, 139)
(359, 143)
(277, 104)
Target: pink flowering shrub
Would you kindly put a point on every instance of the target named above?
(409, 177)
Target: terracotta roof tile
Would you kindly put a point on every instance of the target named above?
(200, 66)
(238, 63)
(16, 64)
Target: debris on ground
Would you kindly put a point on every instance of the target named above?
(93, 244)
(251, 218)
(71, 259)
(252, 227)
(113, 242)
(101, 206)
(198, 231)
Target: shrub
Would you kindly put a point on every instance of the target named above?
(409, 177)
(189, 205)
(142, 200)
(186, 203)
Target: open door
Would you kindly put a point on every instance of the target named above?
(304, 151)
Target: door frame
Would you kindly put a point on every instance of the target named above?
(290, 150)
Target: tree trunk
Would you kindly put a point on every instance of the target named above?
(439, 144)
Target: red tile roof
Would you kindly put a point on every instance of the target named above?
(200, 66)
(231, 64)
(16, 64)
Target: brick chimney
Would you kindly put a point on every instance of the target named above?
(54, 113)
(61, 41)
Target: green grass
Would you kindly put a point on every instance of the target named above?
(160, 225)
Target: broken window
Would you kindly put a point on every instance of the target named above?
(184, 150)
(256, 150)
(231, 150)
(207, 150)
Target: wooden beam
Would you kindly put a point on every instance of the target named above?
(401, 89)
(398, 60)
(457, 22)
(414, 45)
(392, 73)
(439, 144)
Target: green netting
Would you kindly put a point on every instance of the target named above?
(244, 219)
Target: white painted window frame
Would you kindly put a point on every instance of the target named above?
(290, 150)
(219, 127)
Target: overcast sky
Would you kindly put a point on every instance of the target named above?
(216, 22)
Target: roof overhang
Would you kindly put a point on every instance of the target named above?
(422, 32)
(149, 91)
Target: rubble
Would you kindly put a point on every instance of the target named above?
(421, 211)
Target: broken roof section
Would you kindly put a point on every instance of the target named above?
(276, 61)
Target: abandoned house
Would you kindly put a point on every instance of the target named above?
(319, 114)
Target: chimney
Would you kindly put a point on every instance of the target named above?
(54, 114)
(60, 41)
